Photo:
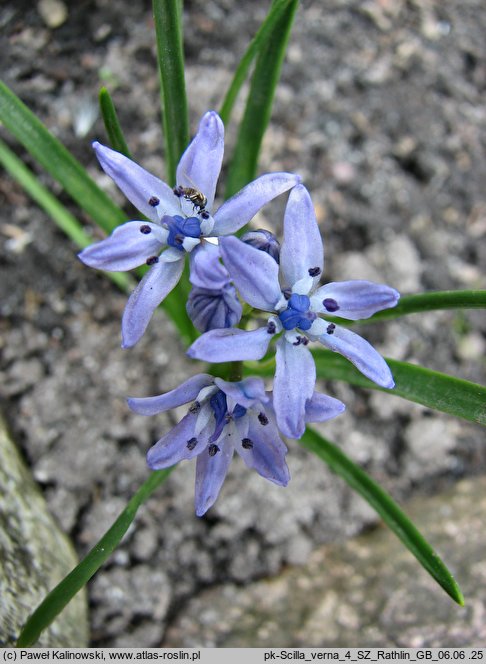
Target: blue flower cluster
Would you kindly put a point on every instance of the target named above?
(281, 283)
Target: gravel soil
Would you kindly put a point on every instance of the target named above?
(382, 110)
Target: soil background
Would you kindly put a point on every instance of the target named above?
(382, 110)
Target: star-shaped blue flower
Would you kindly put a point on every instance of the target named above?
(297, 302)
(224, 417)
(180, 218)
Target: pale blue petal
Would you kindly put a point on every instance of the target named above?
(254, 273)
(267, 454)
(302, 249)
(173, 447)
(354, 300)
(295, 378)
(243, 206)
(156, 284)
(321, 407)
(126, 248)
(362, 354)
(182, 394)
(138, 185)
(210, 474)
(247, 392)
(207, 271)
(230, 345)
(200, 164)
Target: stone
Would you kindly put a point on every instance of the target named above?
(35, 556)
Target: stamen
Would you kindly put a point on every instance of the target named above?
(152, 260)
(178, 191)
(204, 214)
(191, 444)
(194, 408)
(179, 238)
(213, 449)
(153, 201)
(314, 271)
(145, 229)
(263, 419)
(247, 443)
(271, 327)
(330, 304)
(330, 328)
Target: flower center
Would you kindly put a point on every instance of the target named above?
(180, 228)
(219, 406)
(297, 313)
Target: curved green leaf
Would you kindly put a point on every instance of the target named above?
(423, 302)
(258, 109)
(57, 160)
(264, 31)
(386, 507)
(112, 124)
(62, 594)
(175, 117)
(432, 389)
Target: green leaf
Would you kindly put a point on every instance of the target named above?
(57, 160)
(432, 389)
(175, 118)
(386, 507)
(62, 594)
(56, 210)
(243, 166)
(263, 33)
(424, 386)
(423, 302)
(112, 124)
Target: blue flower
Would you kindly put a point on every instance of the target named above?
(212, 303)
(224, 417)
(297, 302)
(180, 218)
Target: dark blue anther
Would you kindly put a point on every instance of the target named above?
(145, 229)
(152, 260)
(330, 304)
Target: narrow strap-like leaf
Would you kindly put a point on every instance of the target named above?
(258, 40)
(112, 124)
(423, 302)
(386, 507)
(51, 205)
(175, 118)
(258, 109)
(63, 593)
(430, 388)
(57, 160)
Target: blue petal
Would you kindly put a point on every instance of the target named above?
(182, 394)
(354, 300)
(213, 309)
(302, 249)
(362, 354)
(138, 185)
(129, 246)
(321, 407)
(247, 392)
(295, 378)
(267, 452)
(243, 206)
(210, 475)
(207, 271)
(254, 273)
(200, 164)
(230, 345)
(154, 287)
(176, 445)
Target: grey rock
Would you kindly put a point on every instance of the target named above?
(367, 592)
(35, 556)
